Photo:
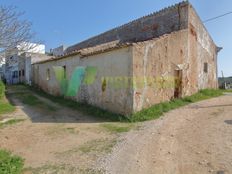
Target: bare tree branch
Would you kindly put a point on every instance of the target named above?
(13, 30)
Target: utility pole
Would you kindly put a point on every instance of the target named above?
(223, 80)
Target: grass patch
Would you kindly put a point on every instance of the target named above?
(158, 110)
(98, 146)
(32, 100)
(153, 112)
(82, 107)
(10, 122)
(117, 128)
(60, 129)
(226, 90)
(62, 169)
(10, 164)
(5, 105)
(52, 169)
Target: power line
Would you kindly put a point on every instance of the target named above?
(217, 17)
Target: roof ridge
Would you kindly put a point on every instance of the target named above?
(156, 13)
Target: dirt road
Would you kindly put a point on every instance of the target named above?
(195, 139)
(54, 139)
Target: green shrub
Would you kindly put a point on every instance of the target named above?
(10, 164)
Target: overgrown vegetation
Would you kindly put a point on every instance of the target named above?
(117, 128)
(99, 145)
(83, 107)
(10, 122)
(5, 105)
(52, 169)
(158, 110)
(26, 96)
(31, 100)
(153, 112)
(63, 168)
(10, 164)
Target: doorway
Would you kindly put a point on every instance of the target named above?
(177, 83)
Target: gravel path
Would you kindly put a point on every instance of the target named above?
(195, 139)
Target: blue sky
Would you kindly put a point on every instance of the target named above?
(68, 22)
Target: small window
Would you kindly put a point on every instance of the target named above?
(48, 74)
(206, 67)
(19, 73)
(64, 72)
(15, 74)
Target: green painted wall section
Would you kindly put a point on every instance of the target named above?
(75, 81)
(59, 73)
(80, 75)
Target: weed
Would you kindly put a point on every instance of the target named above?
(10, 122)
(5, 105)
(158, 110)
(53, 169)
(10, 164)
(55, 130)
(31, 100)
(117, 127)
(99, 145)
(153, 112)
(83, 107)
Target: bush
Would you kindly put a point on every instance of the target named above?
(10, 164)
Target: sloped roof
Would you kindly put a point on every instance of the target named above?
(115, 33)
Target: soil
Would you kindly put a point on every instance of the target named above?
(195, 139)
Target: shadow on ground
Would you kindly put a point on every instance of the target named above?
(45, 110)
(228, 122)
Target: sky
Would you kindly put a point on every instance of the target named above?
(67, 22)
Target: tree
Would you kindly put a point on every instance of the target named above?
(13, 30)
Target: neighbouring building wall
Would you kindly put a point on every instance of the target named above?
(202, 55)
(11, 70)
(170, 19)
(155, 64)
(59, 51)
(24, 68)
(111, 69)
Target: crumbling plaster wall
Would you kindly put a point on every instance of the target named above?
(186, 50)
(113, 68)
(154, 65)
(202, 49)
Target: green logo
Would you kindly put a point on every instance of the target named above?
(81, 75)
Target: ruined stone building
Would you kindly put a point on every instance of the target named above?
(165, 55)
